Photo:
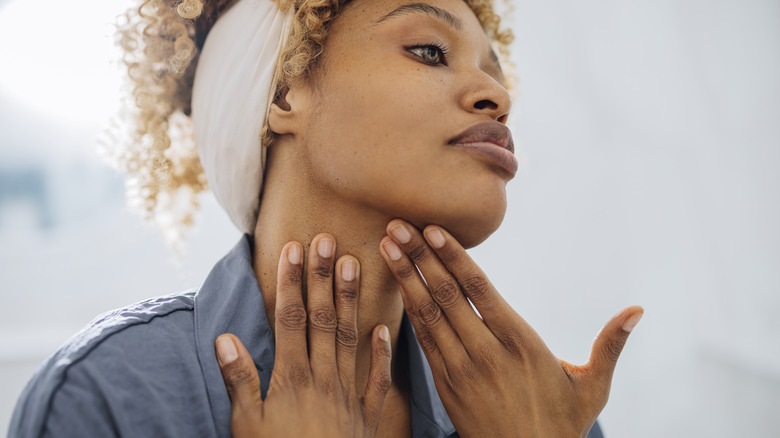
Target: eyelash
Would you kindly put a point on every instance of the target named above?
(441, 48)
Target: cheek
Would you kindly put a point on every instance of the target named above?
(381, 142)
(368, 129)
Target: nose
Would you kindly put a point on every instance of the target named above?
(485, 95)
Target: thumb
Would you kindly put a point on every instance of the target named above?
(610, 341)
(379, 378)
(238, 372)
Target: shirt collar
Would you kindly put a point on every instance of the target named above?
(429, 418)
(230, 301)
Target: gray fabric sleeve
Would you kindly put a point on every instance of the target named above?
(77, 409)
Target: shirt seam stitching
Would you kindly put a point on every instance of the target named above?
(90, 349)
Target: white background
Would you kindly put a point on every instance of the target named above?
(651, 131)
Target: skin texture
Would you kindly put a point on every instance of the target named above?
(362, 141)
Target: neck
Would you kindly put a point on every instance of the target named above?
(293, 208)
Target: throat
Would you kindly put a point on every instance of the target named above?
(396, 418)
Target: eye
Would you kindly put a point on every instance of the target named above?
(432, 54)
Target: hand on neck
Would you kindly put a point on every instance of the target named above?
(295, 208)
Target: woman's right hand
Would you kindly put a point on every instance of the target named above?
(312, 391)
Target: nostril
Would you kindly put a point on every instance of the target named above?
(485, 104)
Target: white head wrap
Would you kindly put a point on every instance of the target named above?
(231, 98)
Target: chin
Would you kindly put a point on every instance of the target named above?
(470, 211)
(470, 232)
(470, 227)
(474, 219)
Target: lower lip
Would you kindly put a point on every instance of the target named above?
(496, 154)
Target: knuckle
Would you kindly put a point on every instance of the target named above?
(323, 271)
(292, 276)
(419, 253)
(427, 343)
(467, 371)
(475, 287)
(292, 316)
(346, 336)
(238, 377)
(328, 385)
(406, 271)
(430, 314)
(448, 255)
(447, 387)
(445, 293)
(347, 294)
(613, 348)
(323, 319)
(382, 381)
(384, 351)
(486, 357)
(298, 375)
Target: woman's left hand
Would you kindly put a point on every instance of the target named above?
(494, 374)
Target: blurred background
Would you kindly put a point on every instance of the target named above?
(651, 132)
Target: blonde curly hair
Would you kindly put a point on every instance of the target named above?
(161, 41)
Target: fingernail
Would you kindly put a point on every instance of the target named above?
(294, 254)
(393, 250)
(435, 237)
(632, 321)
(384, 334)
(226, 350)
(325, 248)
(348, 270)
(401, 234)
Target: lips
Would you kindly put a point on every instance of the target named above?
(491, 140)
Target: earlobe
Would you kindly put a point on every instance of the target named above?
(284, 112)
(279, 119)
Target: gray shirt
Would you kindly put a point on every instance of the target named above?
(149, 369)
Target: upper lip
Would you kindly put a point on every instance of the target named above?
(487, 132)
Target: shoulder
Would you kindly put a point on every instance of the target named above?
(120, 352)
(136, 323)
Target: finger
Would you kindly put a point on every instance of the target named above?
(498, 315)
(610, 341)
(438, 340)
(347, 287)
(238, 372)
(424, 338)
(379, 378)
(322, 312)
(290, 314)
(443, 287)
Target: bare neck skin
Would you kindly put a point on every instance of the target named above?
(294, 207)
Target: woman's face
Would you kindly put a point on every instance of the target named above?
(398, 84)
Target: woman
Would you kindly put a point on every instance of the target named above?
(378, 139)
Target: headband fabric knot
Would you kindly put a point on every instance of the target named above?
(231, 99)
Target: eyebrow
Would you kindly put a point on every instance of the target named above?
(433, 11)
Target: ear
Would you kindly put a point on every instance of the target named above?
(285, 115)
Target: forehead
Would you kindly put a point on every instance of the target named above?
(368, 13)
